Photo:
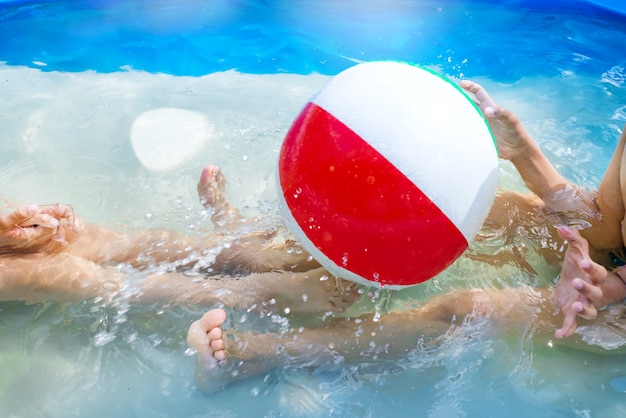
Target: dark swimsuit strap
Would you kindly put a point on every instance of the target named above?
(618, 258)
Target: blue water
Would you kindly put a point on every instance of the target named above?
(305, 36)
(75, 75)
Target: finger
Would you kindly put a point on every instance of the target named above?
(571, 235)
(592, 293)
(18, 216)
(40, 219)
(28, 234)
(471, 86)
(574, 240)
(477, 90)
(595, 273)
(569, 326)
(59, 236)
(585, 310)
(37, 233)
(60, 211)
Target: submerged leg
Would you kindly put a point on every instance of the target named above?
(602, 210)
(353, 340)
(256, 252)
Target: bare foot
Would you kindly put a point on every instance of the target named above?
(206, 337)
(211, 192)
(250, 354)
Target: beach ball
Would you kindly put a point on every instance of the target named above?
(387, 174)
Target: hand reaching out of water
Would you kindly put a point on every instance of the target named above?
(507, 129)
(584, 286)
(36, 228)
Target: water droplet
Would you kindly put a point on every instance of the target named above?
(109, 286)
(190, 352)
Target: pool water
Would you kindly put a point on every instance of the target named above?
(76, 75)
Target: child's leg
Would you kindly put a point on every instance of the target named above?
(390, 338)
(296, 292)
(257, 252)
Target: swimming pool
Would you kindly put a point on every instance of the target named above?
(75, 76)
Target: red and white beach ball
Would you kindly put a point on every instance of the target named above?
(387, 174)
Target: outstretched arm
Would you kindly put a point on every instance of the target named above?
(603, 209)
(516, 145)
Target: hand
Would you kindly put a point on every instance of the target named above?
(579, 291)
(507, 129)
(36, 228)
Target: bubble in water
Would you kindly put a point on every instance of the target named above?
(376, 317)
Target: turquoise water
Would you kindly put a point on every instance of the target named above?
(75, 76)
